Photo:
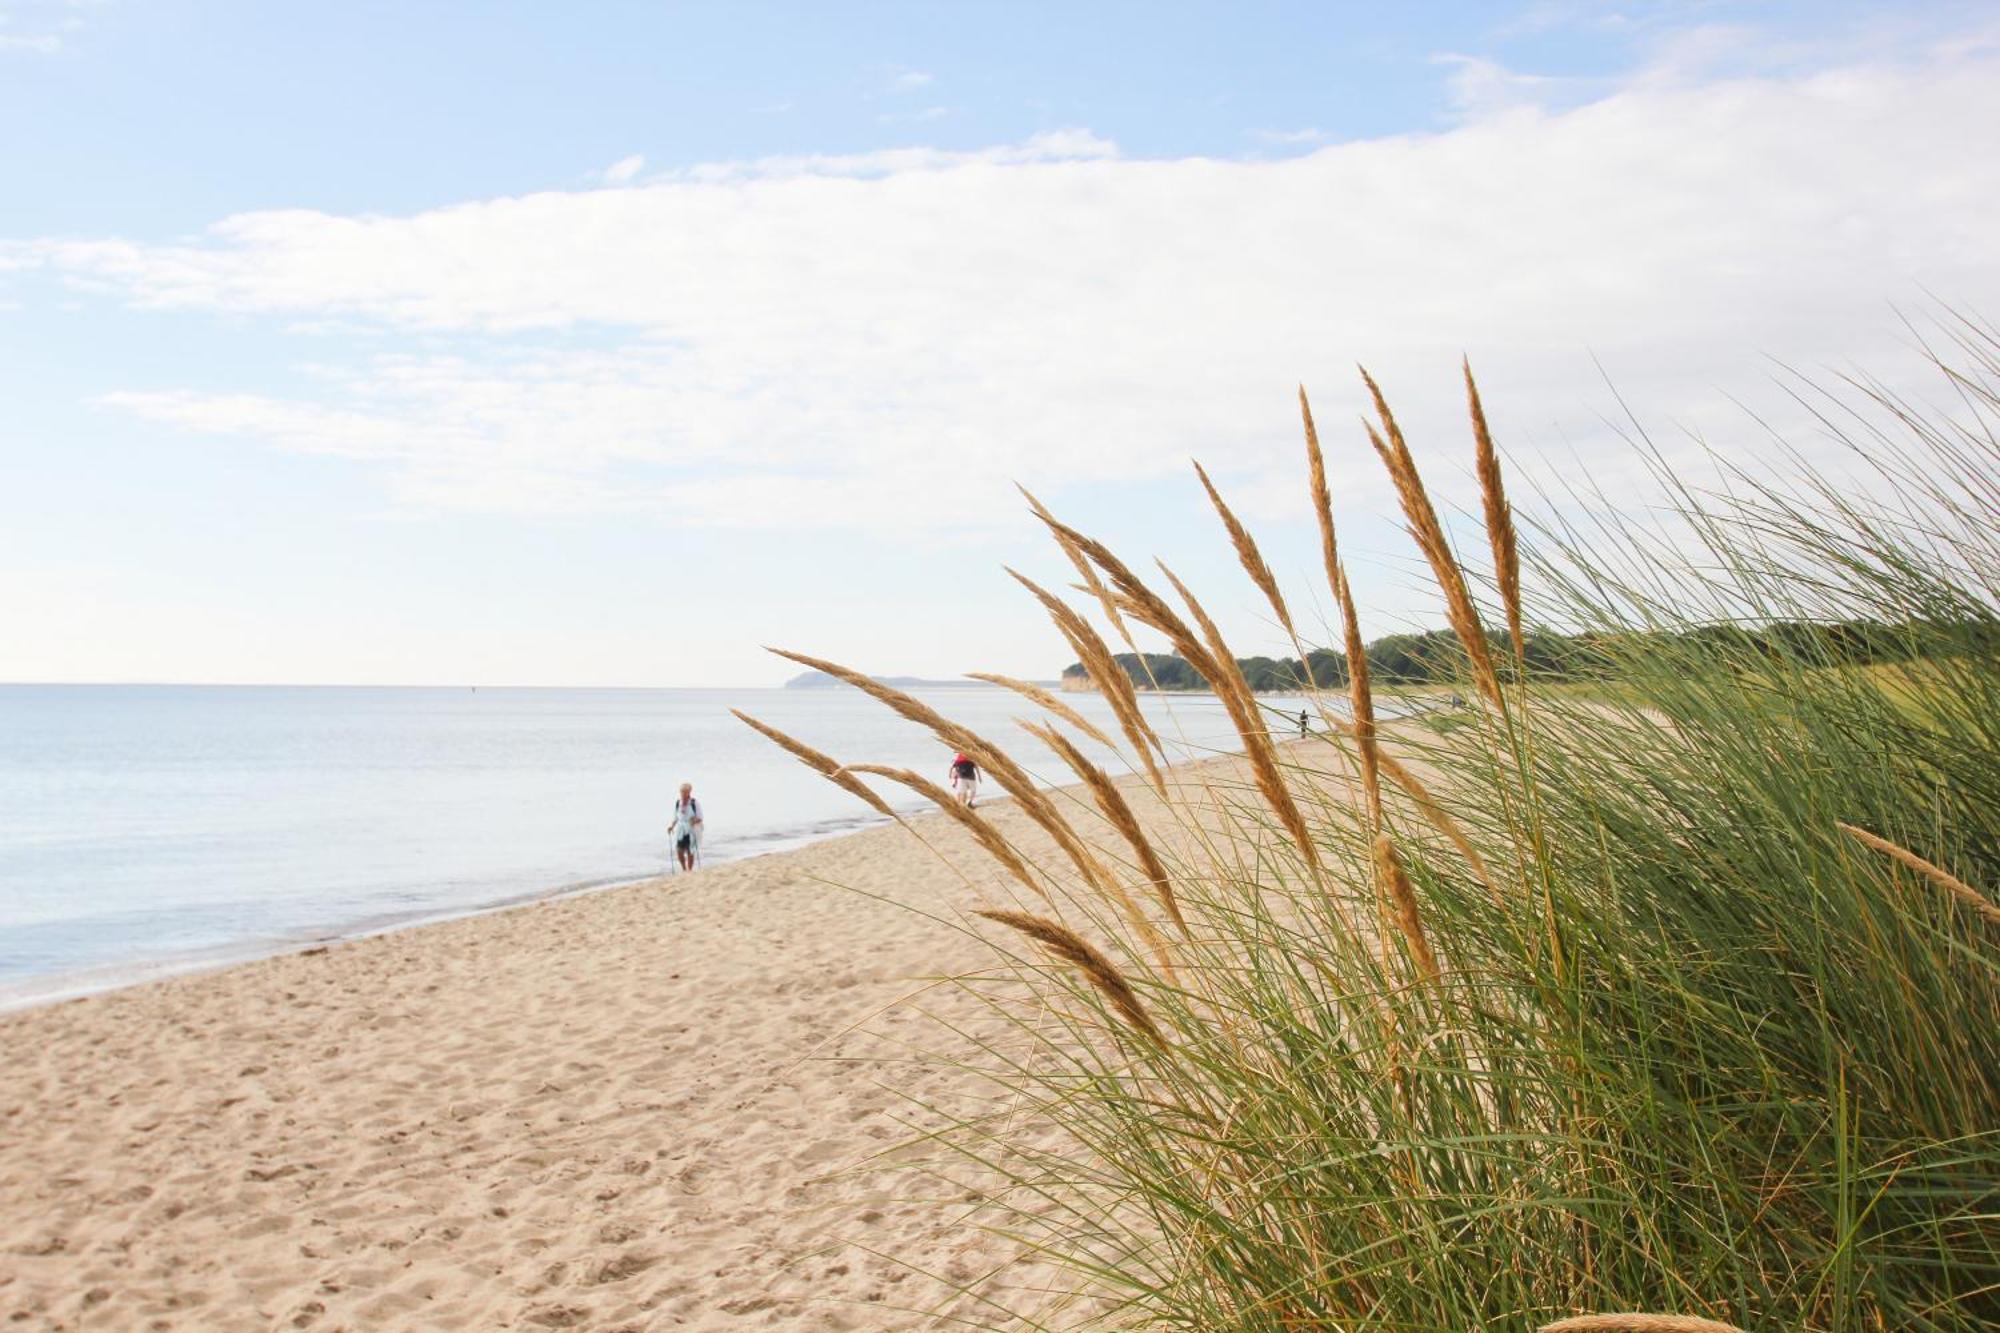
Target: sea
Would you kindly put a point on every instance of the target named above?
(149, 829)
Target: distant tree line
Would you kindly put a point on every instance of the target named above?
(1435, 657)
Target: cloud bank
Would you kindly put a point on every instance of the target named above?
(883, 341)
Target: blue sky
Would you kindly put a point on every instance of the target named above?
(544, 343)
(160, 117)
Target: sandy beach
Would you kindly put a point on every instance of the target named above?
(637, 1109)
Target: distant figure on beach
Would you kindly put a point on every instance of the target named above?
(687, 827)
(964, 778)
(1303, 726)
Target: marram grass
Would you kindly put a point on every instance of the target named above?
(1671, 1005)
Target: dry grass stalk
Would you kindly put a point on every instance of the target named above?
(1180, 637)
(1322, 499)
(1118, 813)
(1972, 898)
(1091, 648)
(1072, 948)
(1361, 699)
(1237, 700)
(824, 764)
(1429, 536)
(1402, 896)
(1248, 555)
(1047, 702)
(988, 755)
(1010, 775)
(1212, 661)
(1091, 582)
(1499, 518)
(1428, 533)
(1638, 1323)
(1106, 674)
(1142, 603)
(1115, 684)
(987, 836)
(1226, 678)
(1142, 925)
(1425, 802)
(1131, 608)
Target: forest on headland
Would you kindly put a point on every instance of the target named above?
(1436, 657)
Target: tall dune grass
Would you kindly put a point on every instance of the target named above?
(1671, 1006)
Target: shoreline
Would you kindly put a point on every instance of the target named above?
(678, 1103)
(82, 983)
(40, 990)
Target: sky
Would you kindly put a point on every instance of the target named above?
(601, 344)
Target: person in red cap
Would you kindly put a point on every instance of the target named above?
(964, 778)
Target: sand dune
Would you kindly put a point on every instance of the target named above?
(639, 1109)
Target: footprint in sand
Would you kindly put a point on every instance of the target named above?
(559, 1316)
(622, 1266)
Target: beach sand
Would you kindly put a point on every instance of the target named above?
(635, 1109)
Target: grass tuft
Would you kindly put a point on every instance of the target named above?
(1633, 1024)
(1070, 947)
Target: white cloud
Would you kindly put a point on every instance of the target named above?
(1970, 44)
(625, 170)
(40, 27)
(883, 340)
(1071, 145)
(1480, 89)
(909, 81)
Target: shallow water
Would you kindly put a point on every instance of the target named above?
(149, 825)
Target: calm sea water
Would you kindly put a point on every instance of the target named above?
(152, 826)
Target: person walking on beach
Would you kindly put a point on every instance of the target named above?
(964, 778)
(1303, 726)
(687, 827)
